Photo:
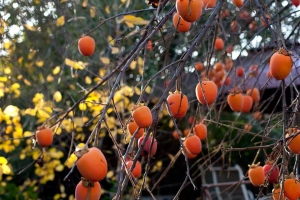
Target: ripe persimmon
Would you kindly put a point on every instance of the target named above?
(193, 144)
(254, 93)
(142, 116)
(175, 134)
(189, 10)
(189, 155)
(206, 92)
(227, 80)
(296, 2)
(219, 44)
(149, 45)
(263, 21)
(235, 100)
(132, 127)
(291, 188)
(44, 136)
(240, 71)
(281, 64)
(201, 131)
(247, 103)
(228, 63)
(294, 141)
(257, 115)
(256, 174)
(218, 66)
(85, 189)
(248, 127)
(180, 24)
(178, 104)
(91, 164)
(238, 3)
(146, 148)
(137, 170)
(198, 66)
(270, 171)
(86, 45)
(276, 193)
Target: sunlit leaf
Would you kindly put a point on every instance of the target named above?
(107, 10)
(31, 28)
(6, 169)
(3, 160)
(11, 111)
(59, 168)
(74, 64)
(93, 11)
(6, 45)
(148, 89)
(111, 40)
(3, 78)
(27, 82)
(82, 106)
(60, 21)
(7, 70)
(115, 50)
(88, 80)
(56, 70)
(40, 63)
(105, 60)
(132, 20)
(57, 96)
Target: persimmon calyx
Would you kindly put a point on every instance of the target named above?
(254, 165)
(87, 183)
(235, 91)
(284, 51)
(81, 152)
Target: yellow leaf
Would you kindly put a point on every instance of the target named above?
(50, 78)
(62, 188)
(59, 168)
(27, 82)
(107, 10)
(140, 61)
(75, 65)
(43, 114)
(7, 70)
(3, 160)
(129, 24)
(6, 45)
(30, 111)
(11, 111)
(57, 96)
(15, 86)
(3, 78)
(56, 197)
(31, 28)
(22, 156)
(60, 21)
(105, 60)
(110, 174)
(133, 65)
(133, 20)
(40, 63)
(85, 3)
(82, 106)
(93, 11)
(115, 50)
(111, 40)
(88, 80)
(102, 72)
(6, 169)
(56, 70)
(148, 89)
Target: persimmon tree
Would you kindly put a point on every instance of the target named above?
(112, 80)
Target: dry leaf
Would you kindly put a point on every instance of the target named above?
(60, 21)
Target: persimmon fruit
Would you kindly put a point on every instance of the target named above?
(291, 188)
(137, 170)
(44, 136)
(294, 141)
(281, 64)
(240, 71)
(254, 93)
(180, 24)
(201, 131)
(276, 193)
(193, 144)
(178, 104)
(146, 148)
(247, 103)
(219, 44)
(86, 45)
(256, 174)
(206, 92)
(238, 3)
(142, 116)
(91, 164)
(85, 189)
(270, 171)
(132, 127)
(235, 100)
(199, 66)
(189, 10)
